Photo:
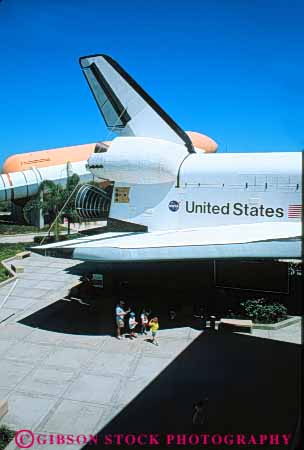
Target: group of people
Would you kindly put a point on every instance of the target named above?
(145, 323)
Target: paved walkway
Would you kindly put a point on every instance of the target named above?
(67, 383)
(73, 383)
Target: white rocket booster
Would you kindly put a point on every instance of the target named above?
(24, 173)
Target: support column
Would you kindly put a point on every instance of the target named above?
(17, 213)
(39, 218)
(35, 216)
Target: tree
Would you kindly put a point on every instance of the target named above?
(5, 206)
(71, 190)
(56, 201)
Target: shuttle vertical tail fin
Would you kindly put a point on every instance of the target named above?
(126, 108)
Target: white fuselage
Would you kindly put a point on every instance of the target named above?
(199, 190)
(194, 206)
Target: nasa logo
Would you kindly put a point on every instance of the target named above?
(174, 206)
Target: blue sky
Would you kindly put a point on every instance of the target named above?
(232, 69)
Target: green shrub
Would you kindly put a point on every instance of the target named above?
(3, 273)
(7, 251)
(6, 435)
(261, 311)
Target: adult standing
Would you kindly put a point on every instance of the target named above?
(120, 317)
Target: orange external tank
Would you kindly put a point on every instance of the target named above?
(75, 153)
(46, 158)
(202, 142)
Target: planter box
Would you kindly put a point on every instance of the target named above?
(7, 266)
(22, 255)
(263, 326)
(276, 326)
(17, 269)
(235, 325)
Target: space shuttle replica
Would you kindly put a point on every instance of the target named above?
(169, 199)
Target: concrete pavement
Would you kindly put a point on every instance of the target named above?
(59, 382)
(66, 383)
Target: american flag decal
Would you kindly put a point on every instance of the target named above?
(294, 211)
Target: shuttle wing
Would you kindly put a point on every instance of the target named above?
(126, 108)
(262, 240)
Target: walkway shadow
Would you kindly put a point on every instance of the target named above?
(73, 317)
(253, 386)
(89, 311)
(92, 316)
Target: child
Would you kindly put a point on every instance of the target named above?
(132, 325)
(154, 326)
(144, 321)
